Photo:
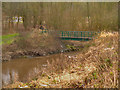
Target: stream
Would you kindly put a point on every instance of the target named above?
(22, 68)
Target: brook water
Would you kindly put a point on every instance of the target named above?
(22, 69)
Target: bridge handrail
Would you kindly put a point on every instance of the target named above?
(74, 34)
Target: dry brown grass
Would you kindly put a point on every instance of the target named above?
(36, 40)
(31, 43)
(102, 61)
(97, 68)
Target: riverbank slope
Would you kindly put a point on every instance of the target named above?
(35, 43)
(96, 68)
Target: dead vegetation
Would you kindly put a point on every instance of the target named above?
(32, 43)
(97, 68)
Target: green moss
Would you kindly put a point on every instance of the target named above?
(80, 66)
(37, 87)
(87, 45)
(93, 44)
(54, 81)
(111, 65)
(94, 75)
(107, 60)
(43, 74)
(49, 77)
(102, 66)
(27, 83)
(70, 47)
(96, 85)
(111, 73)
(35, 78)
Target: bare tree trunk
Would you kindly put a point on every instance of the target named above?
(9, 26)
(18, 22)
(88, 16)
(34, 21)
(25, 22)
(12, 23)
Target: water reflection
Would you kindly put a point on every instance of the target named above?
(9, 77)
(23, 69)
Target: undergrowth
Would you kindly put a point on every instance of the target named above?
(96, 68)
(31, 43)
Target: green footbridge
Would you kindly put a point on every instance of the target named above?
(64, 35)
(76, 35)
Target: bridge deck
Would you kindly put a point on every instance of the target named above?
(76, 35)
(78, 39)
